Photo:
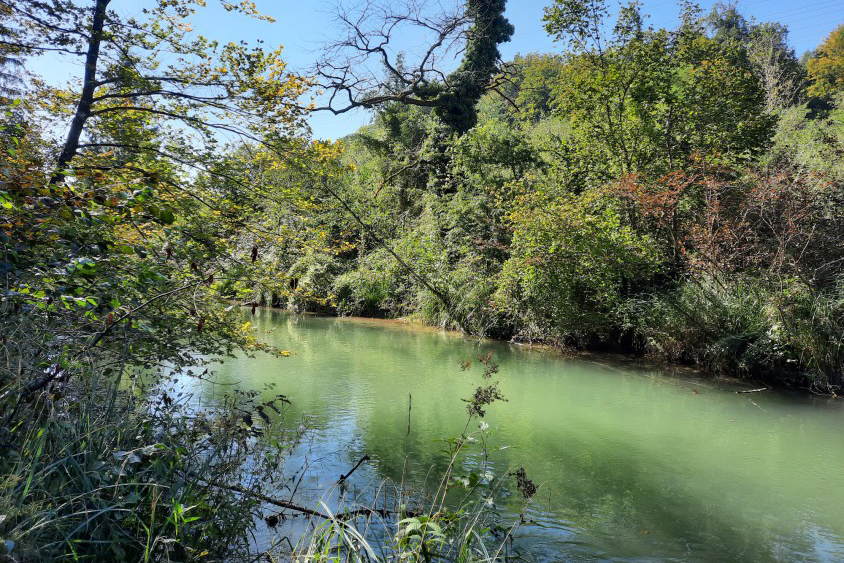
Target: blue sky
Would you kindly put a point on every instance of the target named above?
(302, 26)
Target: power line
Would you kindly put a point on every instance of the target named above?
(825, 4)
(808, 33)
(814, 26)
(836, 11)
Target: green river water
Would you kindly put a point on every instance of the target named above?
(634, 463)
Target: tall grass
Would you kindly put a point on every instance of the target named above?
(755, 327)
(458, 523)
(109, 472)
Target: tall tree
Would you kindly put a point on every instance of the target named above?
(479, 28)
(776, 65)
(116, 236)
(215, 90)
(766, 45)
(140, 133)
(826, 68)
(653, 98)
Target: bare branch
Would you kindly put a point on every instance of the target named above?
(365, 68)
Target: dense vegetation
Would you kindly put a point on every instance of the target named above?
(671, 192)
(113, 237)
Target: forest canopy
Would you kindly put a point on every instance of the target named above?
(669, 192)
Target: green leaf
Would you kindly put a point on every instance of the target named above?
(6, 200)
(166, 216)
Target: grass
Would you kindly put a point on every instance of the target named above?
(107, 474)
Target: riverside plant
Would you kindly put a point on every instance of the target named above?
(113, 471)
(457, 522)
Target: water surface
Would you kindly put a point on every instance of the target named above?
(633, 463)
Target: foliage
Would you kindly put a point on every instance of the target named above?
(747, 327)
(640, 170)
(660, 191)
(480, 63)
(572, 263)
(775, 63)
(654, 98)
(811, 142)
(11, 64)
(115, 242)
(532, 83)
(760, 264)
(826, 68)
(97, 477)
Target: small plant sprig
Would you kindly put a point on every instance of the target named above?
(487, 394)
(464, 529)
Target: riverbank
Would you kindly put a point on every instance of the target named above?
(605, 356)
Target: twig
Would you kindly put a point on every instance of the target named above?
(297, 508)
(269, 500)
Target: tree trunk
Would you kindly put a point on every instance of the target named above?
(89, 84)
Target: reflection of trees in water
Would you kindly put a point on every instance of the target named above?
(624, 507)
(616, 504)
(616, 454)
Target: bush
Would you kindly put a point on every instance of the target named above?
(573, 262)
(108, 473)
(811, 144)
(779, 332)
(372, 289)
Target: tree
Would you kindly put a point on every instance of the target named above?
(727, 24)
(654, 98)
(766, 44)
(115, 240)
(614, 89)
(344, 70)
(572, 263)
(216, 89)
(533, 79)
(782, 75)
(139, 132)
(826, 68)
(720, 100)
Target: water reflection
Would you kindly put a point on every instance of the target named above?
(635, 464)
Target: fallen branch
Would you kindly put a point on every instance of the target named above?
(269, 500)
(347, 475)
(301, 509)
(754, 390)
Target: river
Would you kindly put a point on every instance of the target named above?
(633, 463)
